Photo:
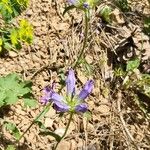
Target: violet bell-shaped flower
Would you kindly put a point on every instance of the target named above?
(71, 102)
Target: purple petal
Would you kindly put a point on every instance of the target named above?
(81, 108)
(56, 97)
(50, 95)
(72, 2)
(70, 82)
(47, 92)
(60, 106)
(87, 89)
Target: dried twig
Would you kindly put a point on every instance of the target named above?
(47, 66)
(119, 96)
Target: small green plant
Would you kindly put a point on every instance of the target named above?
(136, 84)
(12, 8)
(123, 5)
(132, 64)
(11, 36)
(10, 147)
(105, 13)
(11, 127)
(147, 25)
(12, 88)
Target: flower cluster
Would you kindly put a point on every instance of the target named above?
(71, 102)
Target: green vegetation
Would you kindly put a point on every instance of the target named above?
(11, 36)
(12, 88)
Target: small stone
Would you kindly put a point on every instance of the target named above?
(91, 105)
(51, 113)
(82, 77)
(12, 54)
(103, 109)
(36, 24)
(60, 131)
(64, 145)
(29, 12)
(89, 59)
(117, 17)
(90, 127)
(48, 122)
(73, 145)
(45, 9)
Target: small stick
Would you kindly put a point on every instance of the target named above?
(119, 96)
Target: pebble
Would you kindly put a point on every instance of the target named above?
(48, 122)
(63, 145)
(13, 54)
(103, 109)
(60, 131)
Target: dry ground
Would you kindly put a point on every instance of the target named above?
(116, 122)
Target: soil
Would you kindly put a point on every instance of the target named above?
(116, 121)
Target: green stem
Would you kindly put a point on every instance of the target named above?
(67, 127)
(34, 121)
(85, 40)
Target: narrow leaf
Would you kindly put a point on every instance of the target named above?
(68, 8)
(56, 136)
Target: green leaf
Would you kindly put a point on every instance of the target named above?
(8, 46)
(1, 41)
(12, 88)
(147, 25)
(11, 97)
(10, 147)
(56, 136)
(68, 8)
(12, 8)
(133, 64)
(14, 37)
(47, 132)
(13, 129)
(105, 14)
(123, 5)
(2, 98)
(41, 125)
(30, 102)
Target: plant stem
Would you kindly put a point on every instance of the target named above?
(34, 121)
(85, 40)
(67, 127)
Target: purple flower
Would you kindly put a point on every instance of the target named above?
(86, 5)
(72, 102)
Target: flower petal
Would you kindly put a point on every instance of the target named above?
(81, 108)
(56, 97)
(50, 95)
(47, 91)
(60, 106)
(87, 89)
(70, 82)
